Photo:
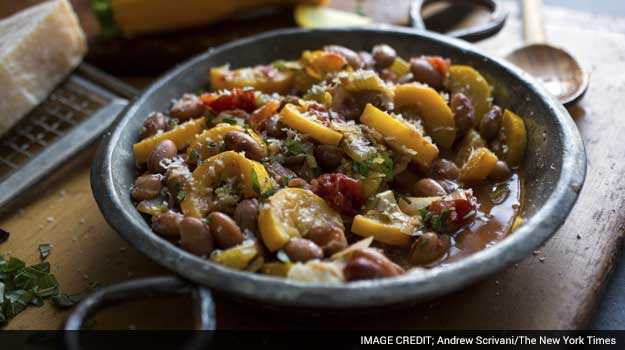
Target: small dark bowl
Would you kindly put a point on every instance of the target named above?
(555, 165)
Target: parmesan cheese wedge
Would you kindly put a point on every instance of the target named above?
(39, 46)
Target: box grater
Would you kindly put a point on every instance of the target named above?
(79, 109)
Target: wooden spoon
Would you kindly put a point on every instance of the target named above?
(560, 73)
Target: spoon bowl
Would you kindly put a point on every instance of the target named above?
(558, 70)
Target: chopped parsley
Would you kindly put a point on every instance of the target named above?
(381, 163)
(294, 148)
(360, 168)
(44, 250)
(194, 156)
(279, 65)
(255, 184)
(180, 196)
(284, 181)
(230, 120)
(437, 221)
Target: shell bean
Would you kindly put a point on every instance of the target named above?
(423, 71)
(302, 250)
(241, 142)
(428, 248)
(166, 149)
(195, 236)
(225, 230)
(428, 188)
(463, 111)
(166, 224)
(146, 187)
(491, 123)
(156, 122)
(188, 107)
(331, 239)
(246, 215)
(383, 55)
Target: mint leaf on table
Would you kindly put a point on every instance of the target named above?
(44, 250)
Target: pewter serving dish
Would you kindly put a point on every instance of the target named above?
(555, 167)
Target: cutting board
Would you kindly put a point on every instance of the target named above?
(556, 288)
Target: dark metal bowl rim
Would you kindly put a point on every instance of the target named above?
(406, 288)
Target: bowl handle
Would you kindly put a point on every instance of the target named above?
(204, 307)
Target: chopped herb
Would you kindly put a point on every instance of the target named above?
(212, 145)
(294, 148)
(181, 195)
(207, 220)
(284, 181)
(267, 193)
(4, 235)
(222, 148)
(387, 167)
(279, 65)
(44, 250)
(194, 156)
(360, 168)
(439, 222)
(255, 184)
(22, 286)
(230, 120)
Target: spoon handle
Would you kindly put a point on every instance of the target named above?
(533, 29)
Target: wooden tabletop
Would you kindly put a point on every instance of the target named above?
(557, 288)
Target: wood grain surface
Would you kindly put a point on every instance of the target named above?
(557, 288)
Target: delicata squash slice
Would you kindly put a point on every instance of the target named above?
(248, 176)
(334, 167)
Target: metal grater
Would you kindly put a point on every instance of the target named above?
(80, 109)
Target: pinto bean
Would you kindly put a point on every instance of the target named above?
(383, 55)
(367, 60)
(500, 172)
(428, 188)
(156, 122)
(362, 269)
(302, 250)
(274, 128)
(195, 236)
(225, 230)
(146, 187)
(241, 142)
(188, 107)
(352, 58)
(463, 112)
(375, 255)
(246, 215)
(428, 248)
(331, 239)
(491, 123)
(423, 71)
(166, 224)
(166, 149)
(328, 157)
(446, 169)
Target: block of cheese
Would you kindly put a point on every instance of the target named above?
(39, 46)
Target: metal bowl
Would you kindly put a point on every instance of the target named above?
(555, 166)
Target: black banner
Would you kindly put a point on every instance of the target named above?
(318, 340)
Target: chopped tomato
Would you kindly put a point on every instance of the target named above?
(447, 216)
(260, 116)
(340, 191)
(233, 99)
(439, 63)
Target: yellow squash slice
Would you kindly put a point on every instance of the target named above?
(293, 212)
(515, 138)
(433, 110)
(182, 136)
(250, 176)
(401, 133)
(479, 165)
(386, 223)
(470, 82)
(321, 64)
(294, 118)
(209, 142)
(279, 81)
(237, 257)
(470, 142)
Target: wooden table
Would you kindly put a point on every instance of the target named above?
(557, 288)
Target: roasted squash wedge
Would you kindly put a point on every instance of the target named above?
(433, 110)
(515, 138)
(267, 79)
(470, 142)
(470, 82)
(400, 134)
(298, 120)
(182, 136)
(250, 178)
(238, 257)
(321, 64)
(479, 165)
(293, 212)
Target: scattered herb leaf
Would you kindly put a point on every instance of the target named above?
(180, 196)
(194, 156)
(294, 148)
(44, 250)
(360, 168)
(64, 301)
(230, 120)
(255, 184)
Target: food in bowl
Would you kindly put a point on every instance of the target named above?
(335, 167)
